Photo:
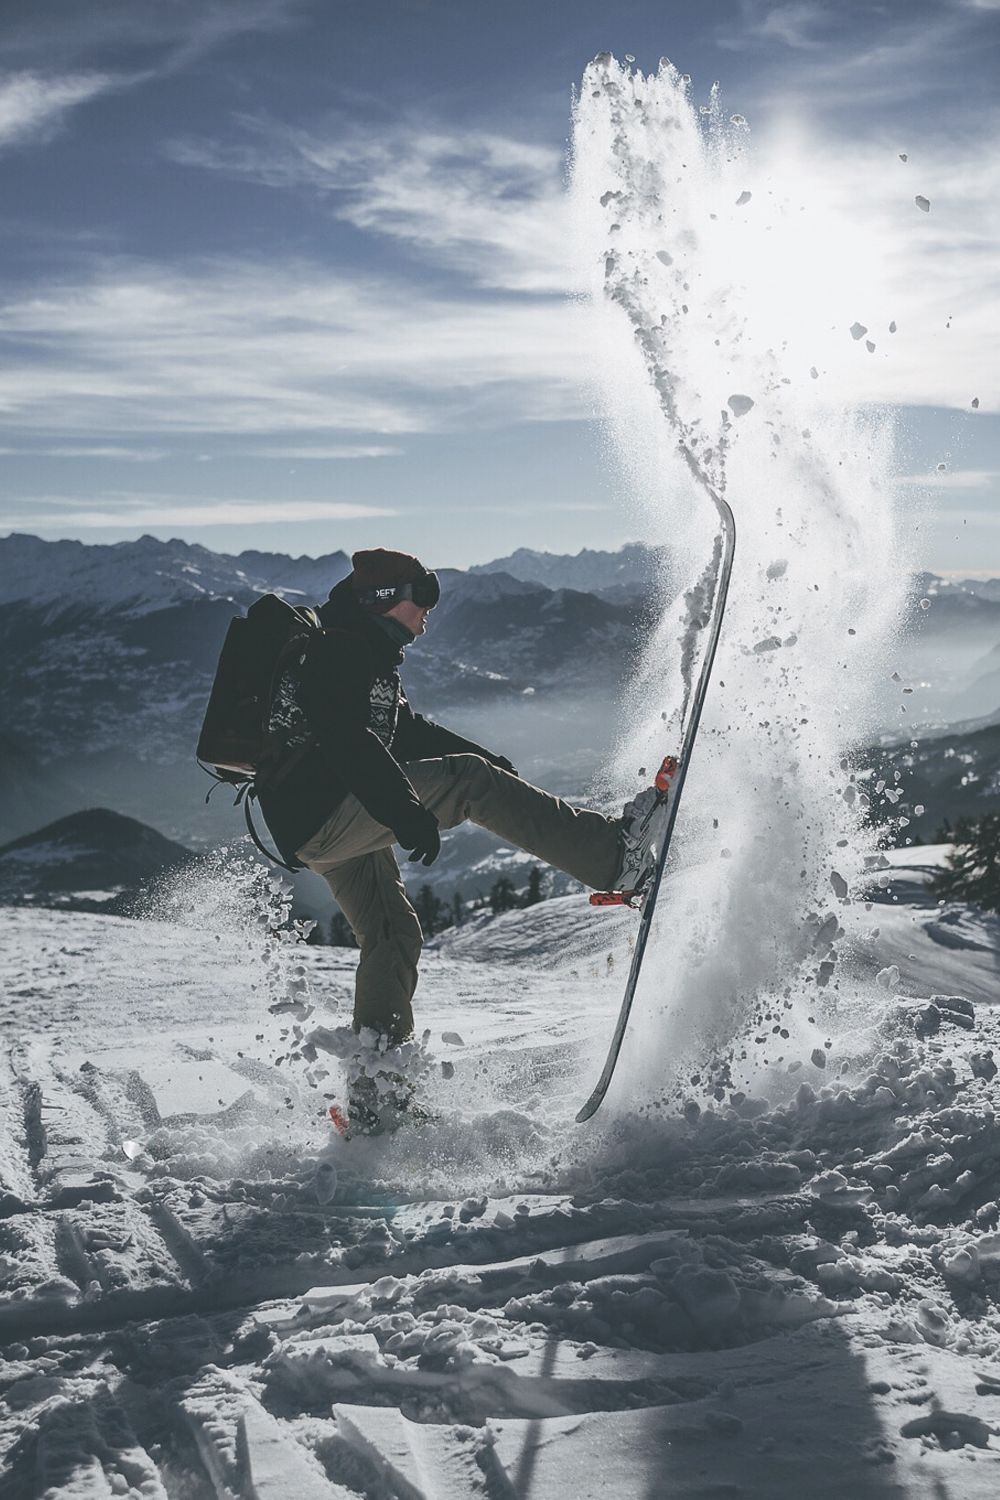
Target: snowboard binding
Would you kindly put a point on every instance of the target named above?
(648, 815)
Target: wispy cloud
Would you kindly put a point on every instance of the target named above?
(275, 350)
(119, 454)
(34, 107)
(303, 361)
(493, 210)
(800, 25)
(326, 452)
(487, 205)
(880, 63)
(64, 34)
(58, 47)
(53, 512)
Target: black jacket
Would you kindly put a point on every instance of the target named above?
(346, 698)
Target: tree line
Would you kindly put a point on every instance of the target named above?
(973, 869)
(436, 914)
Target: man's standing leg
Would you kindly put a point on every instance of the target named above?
(371, 895)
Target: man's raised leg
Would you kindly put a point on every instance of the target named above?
(583, 843)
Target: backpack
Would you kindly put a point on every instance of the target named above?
(236, 738)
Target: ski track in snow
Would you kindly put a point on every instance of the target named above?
(739, 1298)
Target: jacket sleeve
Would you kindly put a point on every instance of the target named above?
(336, 681)
(418, 738)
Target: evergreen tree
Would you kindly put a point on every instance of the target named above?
(503, 896)
(534, 892)
(431, 910)
(457, 910)
(973, 872)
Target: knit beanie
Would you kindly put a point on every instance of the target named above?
(381, 569)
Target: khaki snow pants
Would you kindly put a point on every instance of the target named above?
(354, 855)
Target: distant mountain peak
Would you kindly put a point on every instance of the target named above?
(633, 568)
(111, 829)
(95, 850)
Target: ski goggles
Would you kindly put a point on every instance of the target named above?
(424, 591)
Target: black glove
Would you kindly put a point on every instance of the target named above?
(505, 765)
(420, 835)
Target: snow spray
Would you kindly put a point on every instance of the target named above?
(708, 338)
(249, 910)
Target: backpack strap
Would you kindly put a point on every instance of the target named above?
(247, 795)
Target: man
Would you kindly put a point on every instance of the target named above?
(371, 773)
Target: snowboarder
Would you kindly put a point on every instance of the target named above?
(370, 773)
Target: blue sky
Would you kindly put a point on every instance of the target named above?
(291, 273)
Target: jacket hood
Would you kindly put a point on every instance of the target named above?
(343, 612)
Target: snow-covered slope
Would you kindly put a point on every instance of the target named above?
(767, 1291)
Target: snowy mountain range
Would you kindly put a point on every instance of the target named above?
(147, 575)
(633, 569)
(107, 654)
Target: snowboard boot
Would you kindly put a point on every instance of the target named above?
(380, 1103)
(643, 822)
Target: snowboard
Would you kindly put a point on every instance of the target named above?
(669, 786)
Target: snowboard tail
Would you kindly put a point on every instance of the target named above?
(671, 774)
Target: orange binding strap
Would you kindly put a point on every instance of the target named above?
(666, 773)
(614, 898)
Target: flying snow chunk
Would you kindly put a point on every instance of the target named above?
(665, 256)
(869, 346)
(743, 198)
(452, 1038)
(814, 372)
(888, 978)
(923, 203)
(858, 331)
(892, 326)
(903, 156)
(839, 884)
(132, 1149)
(975, 403)
(740, 405)
(325, 1182)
